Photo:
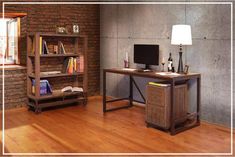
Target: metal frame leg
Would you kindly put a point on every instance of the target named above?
(138, 90)
(131, 91)
(198, 98)
(172, 128)
(104, 91)
(130, 98)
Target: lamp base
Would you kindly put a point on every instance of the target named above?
(180, 65)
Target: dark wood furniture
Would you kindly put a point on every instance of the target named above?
(78, 47)
(171, 79)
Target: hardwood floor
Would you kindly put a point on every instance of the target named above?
(85, 129)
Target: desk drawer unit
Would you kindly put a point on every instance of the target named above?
(158, 104)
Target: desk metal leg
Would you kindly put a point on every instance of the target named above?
(104, 91)
(198, 98)
(130, 98)
(172, 129)
(131, 91)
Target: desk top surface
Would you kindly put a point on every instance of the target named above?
(153, 74)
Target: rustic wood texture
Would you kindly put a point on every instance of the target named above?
(181, 100)
(158, 104)
(36, 65)
(87, 129)
(173, 80)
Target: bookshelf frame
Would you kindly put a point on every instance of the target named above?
(59, 97)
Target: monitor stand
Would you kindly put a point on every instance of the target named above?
(146, 69)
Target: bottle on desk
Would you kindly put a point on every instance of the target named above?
(126, 61)
(170, 63)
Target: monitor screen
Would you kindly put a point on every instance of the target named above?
(146, 54)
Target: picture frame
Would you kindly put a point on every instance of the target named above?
(75, 28)
(61, 30)
(186, 68)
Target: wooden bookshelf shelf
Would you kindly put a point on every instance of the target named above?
(56, 55)
(56, 75)
(55, 94)
(78, 62)
(57, 35)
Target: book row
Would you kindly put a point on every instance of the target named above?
(46, 89)
(73, 65)
(43, 48)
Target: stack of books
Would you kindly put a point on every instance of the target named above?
(73, 65)
(45, 87)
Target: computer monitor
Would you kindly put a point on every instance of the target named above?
(146, 54)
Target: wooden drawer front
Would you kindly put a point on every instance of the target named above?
(158, 115)
(157, 95)
(158, 104)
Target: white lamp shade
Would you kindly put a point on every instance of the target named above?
(181, 35)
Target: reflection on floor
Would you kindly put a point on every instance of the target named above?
(85, 129)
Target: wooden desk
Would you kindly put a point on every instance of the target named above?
(171, 79)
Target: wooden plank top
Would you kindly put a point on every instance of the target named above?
(58, 35)
(56, 55)
(55, 94)
(13, 15)
(56, 75)
(153, 74)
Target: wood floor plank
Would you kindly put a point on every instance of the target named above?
(86, 129)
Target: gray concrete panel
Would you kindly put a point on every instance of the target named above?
(155, 21)
(212, 59)
(108, 20)
(108, 59)
(124, 21)
(209, 20)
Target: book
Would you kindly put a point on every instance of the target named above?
(45, 48)
(70, 68)
(40, 45)
(65, 65)
(73, 65)
(77, 64)
(61, 48)
(45, 87)
(72, 89)
(81, 64)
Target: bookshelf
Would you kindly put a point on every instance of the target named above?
(39, 63)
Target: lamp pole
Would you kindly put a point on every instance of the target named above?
(180, 65)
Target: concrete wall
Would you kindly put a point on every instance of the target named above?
(122, 26)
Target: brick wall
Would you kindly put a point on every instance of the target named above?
(15, 88)
(46, 18)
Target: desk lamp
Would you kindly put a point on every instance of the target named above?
(181, 35)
